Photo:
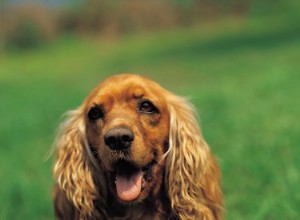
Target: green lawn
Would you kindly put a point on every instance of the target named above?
(243, 77)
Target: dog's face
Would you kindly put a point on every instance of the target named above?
(127, 125)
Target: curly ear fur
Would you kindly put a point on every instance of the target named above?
(72, 169)
(193, 179)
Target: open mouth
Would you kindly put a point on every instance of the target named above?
(130, 180)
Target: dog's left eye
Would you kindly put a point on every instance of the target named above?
(95, 113)
(147, 107)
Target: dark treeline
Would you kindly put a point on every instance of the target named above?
(28, 26)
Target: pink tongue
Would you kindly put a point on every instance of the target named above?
(129, 189)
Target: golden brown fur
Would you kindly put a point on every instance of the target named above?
(180, 178)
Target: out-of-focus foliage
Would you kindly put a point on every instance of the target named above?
(27, 27)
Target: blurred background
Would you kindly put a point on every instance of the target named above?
(238, 61)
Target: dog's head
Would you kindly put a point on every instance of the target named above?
(130, 138)
(127, 125)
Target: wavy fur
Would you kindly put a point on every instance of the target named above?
(192, 176)
(72, 168)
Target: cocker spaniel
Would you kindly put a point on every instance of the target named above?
(134, 150)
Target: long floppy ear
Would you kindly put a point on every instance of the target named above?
(193, 178)
(72, 168)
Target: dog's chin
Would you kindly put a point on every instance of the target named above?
(129, 182)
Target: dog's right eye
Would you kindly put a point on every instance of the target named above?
(147, 107)
(95, 113)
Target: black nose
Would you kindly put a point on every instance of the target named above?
(118, 138)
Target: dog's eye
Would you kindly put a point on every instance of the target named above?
(95, 113)
(147, 107)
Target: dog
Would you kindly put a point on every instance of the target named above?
(133, 150)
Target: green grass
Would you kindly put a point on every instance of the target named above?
(243, 77)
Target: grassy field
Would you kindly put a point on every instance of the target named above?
(243, 77)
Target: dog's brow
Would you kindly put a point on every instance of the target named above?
(138, 95)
